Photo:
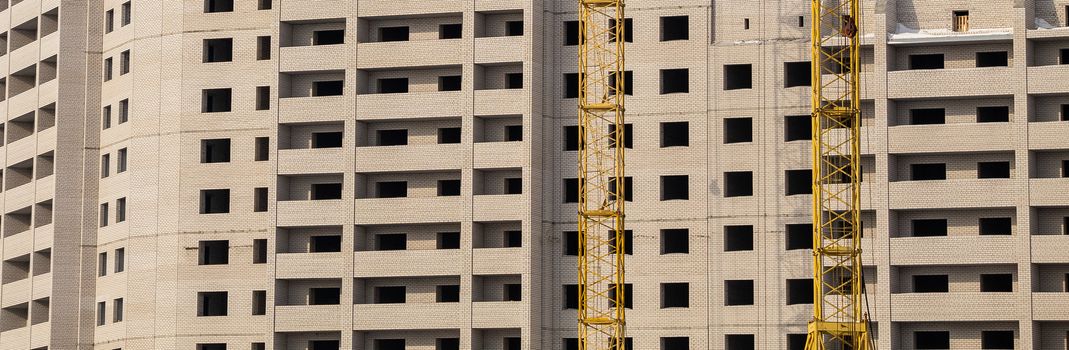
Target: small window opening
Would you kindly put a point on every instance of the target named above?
(738, 184)
(394, 137)
(738, 292)
(738, 238)
(738, 76)
(738, 130)
(929, 227)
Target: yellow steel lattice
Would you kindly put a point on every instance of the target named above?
(840, 321)
(601, 174)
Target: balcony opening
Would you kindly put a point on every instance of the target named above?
(324, 296)
(448, 240)
(39, 310)
(393, 34)
(215, 201)
(18, 268)
(331, 139)
(259, 251)
(447, 344)
(211, 303)
(800, 291)
(675, 134)
(738, 184)
(738, 292)
(738, 76)
(738, 238)
(797, 74)
(215, 151)
(450, 31)
(324, 244)
(996, 340)
(571, 85)
(675, 187)
(571, 191)
(929, 227)
(326, 191)
(799, 182)
(961, 21)
(927, 116)
(397, 137)
(449, 188)
(928, 171)
(323, 345)
(393, 85)
(675, 343)
(571, 33)
(997, 114)
(263, 48)
(570, 296)
(996, 226)
(931, 284)
(675, 81)
(328, 37)
(448, 135)
(993, 170)
(739, 342)
(214, 252)
(926, 61)
(797, 128)
(328, 88)
(627, 135)
(392, 241)
(738, 130)
(447, 294)
(931, 340)
(263, 149)
(675, 295)
(675, 241)
(389, 344)
(215, 100)
(514, 185)
(212, 6)
(996, 283)
(514, 28)
(512, 292)
(390, 295)
(992, 59)
(513, 133)
(628, 296)
(628, 31)
(42, 261)
(449, 83)
(571, 243)
(218, 50)
(675, 28)
(628, 238)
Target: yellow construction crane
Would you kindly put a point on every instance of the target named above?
(601, 175)
(840, 320)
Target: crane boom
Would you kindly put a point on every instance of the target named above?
(601, 175)
(839, 318)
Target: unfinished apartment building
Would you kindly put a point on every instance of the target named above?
(400, 175)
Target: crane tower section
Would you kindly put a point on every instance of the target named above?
(840, 321)
(601, 175)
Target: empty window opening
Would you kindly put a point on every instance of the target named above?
(512, 292)
(931, 284)
(514, 185)
(105, 120)
(801, 21)
(931, 340)
(675, 28)
(746, 23)
(102, 264)
(393, 34)
(263, 98)
(324, 296)
(571, 85)
(738, 292)
(211, 6)
(675, 241)
(105, 166)
(448, 135)
(391, 241)
(215, 100)
(323, 345)
(120, 260)
(961, 21)
(739, 342)
(799, 182)
(993, 170)
(513, 239)
(263, 48)
(447, 294)
(331, 139)
(215, 201)
(996, 283)
(259, 251)
(799, 291)
(929, 227)
(797, 74)
(992, 59)
(328, 37)
(675, 295)
(572, 140)
(927, 116)
(571, 191)
(448, 240)
(390, 295)
(1065, 168)
(799, 236)
(628, 295)
(214, 252)
(450, 31)
(571, 33)
(215, 151)
(675, 134)
(796, 341)
(218, 50)
(675, 187)
(675, 343)
(263, 148)
(571, 297)
(926, 61)
(928, 171)
(447, 344)
(675, 81)
(263, 5)
(513, 133)
(738, 76)
(324, 244)
(326, 191)
(449, 83)
(997, 114)
(628, 238)
(1063, 54)
(393, 86)
(448, 187)
(514, 28)
(996, 340)
(120, 210)
(738, 184)
(797, 128)
(996, 226)
(213, 346)
(389, 344)
(628, 140)
(109, 20)
(628, 30)
(514, 81)
(328, 88)
(738, 130)
(738, 238)
(211, 303)
(395, 137)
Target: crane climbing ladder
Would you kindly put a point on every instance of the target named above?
(601, 175)
(840, 320)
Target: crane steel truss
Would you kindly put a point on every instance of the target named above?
(839, 318)
(601, 175)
